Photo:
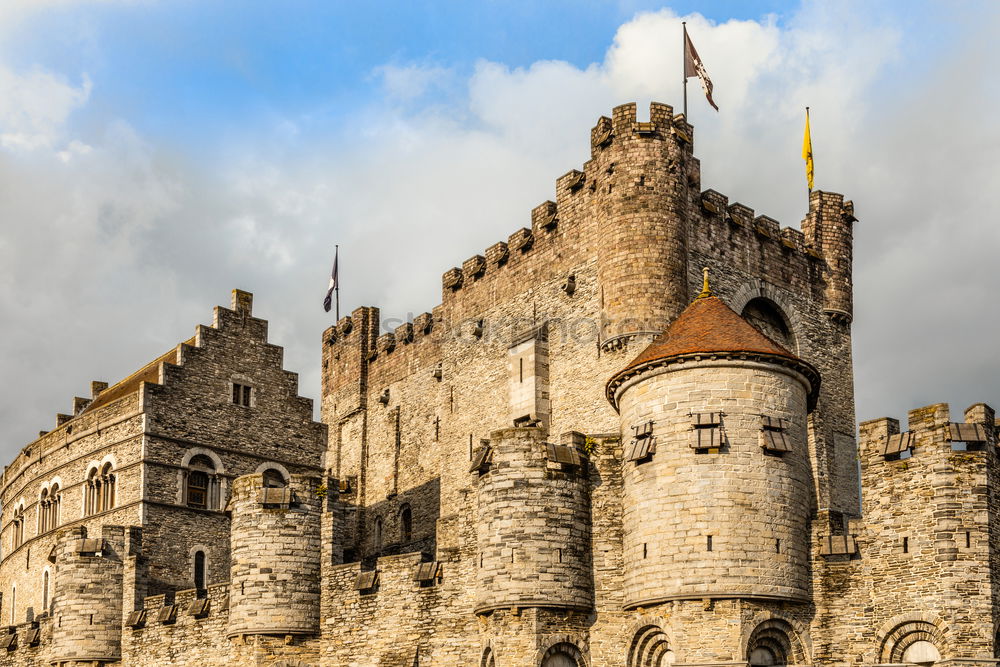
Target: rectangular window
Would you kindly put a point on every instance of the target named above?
(241, 394)
(197, 491)
(708, 543)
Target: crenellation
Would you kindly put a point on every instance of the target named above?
(473, 268)
(544, 217)
(740, 214)
(497, 254)
(767, 226)
(714, 203)
(521, 240)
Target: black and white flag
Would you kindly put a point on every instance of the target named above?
(694, 67)
(328, 301)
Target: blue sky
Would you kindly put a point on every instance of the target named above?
(181, 69)
(154, 155)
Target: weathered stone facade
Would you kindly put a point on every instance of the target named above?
(530, 474)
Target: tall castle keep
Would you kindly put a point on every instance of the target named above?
(589, 454)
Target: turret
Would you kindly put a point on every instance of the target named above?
(275, 542)
(87, 602)
(829, 230)
(641, 175)
(717, 489)
(534, 522)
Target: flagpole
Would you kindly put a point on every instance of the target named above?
(684, 68)
(336, 258)
(809, 185)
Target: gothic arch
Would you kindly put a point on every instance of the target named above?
(902, 632)
(564, 645)
(759, 289)
(785, 639)
(489, 658)
(650, 647)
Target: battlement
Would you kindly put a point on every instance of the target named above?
(929, 429)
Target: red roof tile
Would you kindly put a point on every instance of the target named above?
(708, 325)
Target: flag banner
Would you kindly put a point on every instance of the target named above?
(328, 301)
(807, 153)
(694, 67)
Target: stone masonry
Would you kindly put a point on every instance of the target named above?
(588, 454)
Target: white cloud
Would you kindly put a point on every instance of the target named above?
(34, 107)
(116, 249)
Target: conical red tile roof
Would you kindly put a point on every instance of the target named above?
(708, 326)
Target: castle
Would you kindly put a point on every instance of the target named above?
(589, 454)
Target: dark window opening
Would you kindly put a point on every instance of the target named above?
(197, 495)
(199, 570)
(406, 524)
(274, 479)
(241, 394)
(708, 543)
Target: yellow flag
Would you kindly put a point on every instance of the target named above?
(807, 152)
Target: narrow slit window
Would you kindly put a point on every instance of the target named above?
(906, 545)
(708, 543)
(968, 540)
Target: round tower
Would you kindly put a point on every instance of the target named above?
(87, 597)
(534, 524)
(641, 174)
(275, 545)
(717, 484)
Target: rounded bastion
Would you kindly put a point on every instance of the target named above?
(534, 524)
(275, 546)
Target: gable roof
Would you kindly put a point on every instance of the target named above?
(148, 373)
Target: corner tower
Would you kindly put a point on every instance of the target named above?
(717, 489)
(640, 176)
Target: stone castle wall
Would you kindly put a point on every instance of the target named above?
(532, 561)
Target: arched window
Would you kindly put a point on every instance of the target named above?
(107, 487)
(55, 506)
(767, 318)
(199, 570)
(45, 591)
(274, 479)
(92, 492)
(202, 487)
(489, 660)
(406, 524)
(377, 534)
(17, 528)
(43, 511)
(99, 492)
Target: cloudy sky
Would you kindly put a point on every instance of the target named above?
(154, 155)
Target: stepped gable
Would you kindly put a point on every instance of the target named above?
(148, 373)
(709, 326)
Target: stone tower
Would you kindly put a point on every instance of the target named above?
(717, 491)
(87, 605)
(275, 557)
(640, 174)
